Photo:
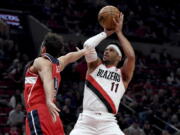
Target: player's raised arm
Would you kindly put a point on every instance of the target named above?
(129, 64)
(91, 43)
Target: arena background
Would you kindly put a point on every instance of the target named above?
(152, 100)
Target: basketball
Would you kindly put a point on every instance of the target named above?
(106, 15)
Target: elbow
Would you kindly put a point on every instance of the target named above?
(86, 43)
(131, 57)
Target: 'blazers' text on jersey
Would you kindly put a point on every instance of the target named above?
(104, 89)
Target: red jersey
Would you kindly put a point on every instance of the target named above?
(39, 120)
(34, 92)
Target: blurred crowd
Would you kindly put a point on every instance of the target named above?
(12, 63)
(145, 20)
(151, 105)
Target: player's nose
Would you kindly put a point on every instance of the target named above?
(106, 52)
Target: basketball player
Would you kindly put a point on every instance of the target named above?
(42, 80)
(105, 85)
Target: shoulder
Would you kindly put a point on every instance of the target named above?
(93, 65)
(96, 62)
(12, 112)
(39, 63)
(12, 97)
(40, 60)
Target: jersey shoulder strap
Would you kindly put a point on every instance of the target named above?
(51, 58)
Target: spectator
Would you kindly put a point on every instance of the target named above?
(16, 116)
(134, 129)
(178, 133)
(4, 30)
(147, 128)
(13, 131)
(165, 132)
(16, 99)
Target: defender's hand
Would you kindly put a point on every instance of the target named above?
(53, 110)
(54, 93)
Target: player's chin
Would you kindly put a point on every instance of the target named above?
(105, 60)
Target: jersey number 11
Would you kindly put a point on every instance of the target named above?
(114, 86)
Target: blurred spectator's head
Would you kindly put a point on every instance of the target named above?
(66, 109)
(165, 132)
(156, 98)
(161, 92)
(13, 130)
(68, 101)
(18, 92)
(18, 107)
(135, 123)
(147, 125)
(178, 133)
(4, 29)
(174, 119)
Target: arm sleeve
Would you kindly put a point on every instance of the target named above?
(95, 40)
(91, 43)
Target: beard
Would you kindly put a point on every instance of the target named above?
(107, 62)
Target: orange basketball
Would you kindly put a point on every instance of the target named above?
(106, 15)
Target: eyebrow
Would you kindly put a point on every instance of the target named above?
(112, 49)
(106, 49)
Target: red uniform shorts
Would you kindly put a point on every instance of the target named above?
(39, 122)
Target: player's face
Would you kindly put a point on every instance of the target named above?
(110, 55)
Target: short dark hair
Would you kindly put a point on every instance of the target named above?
(54, 44)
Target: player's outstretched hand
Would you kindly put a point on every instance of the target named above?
(53, 110)
(77, 48)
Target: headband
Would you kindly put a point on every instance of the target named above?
(115, 48)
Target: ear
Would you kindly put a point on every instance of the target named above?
(119, 58)
(43, 49)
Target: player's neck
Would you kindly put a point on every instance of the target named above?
(109, 64)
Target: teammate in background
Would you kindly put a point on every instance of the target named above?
(105, 85)
(42, 80)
